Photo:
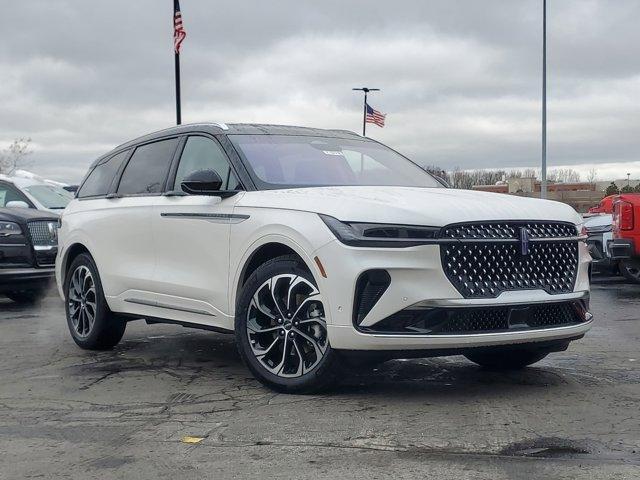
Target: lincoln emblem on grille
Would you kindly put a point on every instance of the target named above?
(524, 241)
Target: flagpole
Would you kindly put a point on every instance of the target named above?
(364, 115)
(366, 90)
(543, 185)
(177, 71)
(178, 109)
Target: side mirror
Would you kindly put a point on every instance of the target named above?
(17, 204)
(202, 182)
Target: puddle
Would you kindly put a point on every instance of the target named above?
(551, 447)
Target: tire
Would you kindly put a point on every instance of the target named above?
(506, 359)
(27, 297)
(83, 294)
(285, 345)
(630, 269)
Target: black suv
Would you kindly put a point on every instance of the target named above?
(28, 248)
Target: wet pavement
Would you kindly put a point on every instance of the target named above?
(68, 413)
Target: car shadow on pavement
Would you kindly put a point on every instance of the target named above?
(213, 359)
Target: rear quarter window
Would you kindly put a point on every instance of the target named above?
(99, 180)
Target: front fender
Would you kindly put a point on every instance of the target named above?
(302, 232)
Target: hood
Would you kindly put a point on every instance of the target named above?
(25, 214)
(598, 221)
(410, 205)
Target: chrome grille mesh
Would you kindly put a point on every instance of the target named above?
(480, 268)
(507, 230)
(42, 235)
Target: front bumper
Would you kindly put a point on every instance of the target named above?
(12, 279)
(598, 244)
(417, 279)
(350, 339)
(621, 248)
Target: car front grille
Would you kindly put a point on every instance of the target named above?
(482, 260)
(43, 233)
(44, 237)
(508, 230)
(474, 320)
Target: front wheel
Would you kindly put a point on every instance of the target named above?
(91, 324)
(281, 331)
(630, 268)
(506, 360)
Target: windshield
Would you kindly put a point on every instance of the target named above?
(50, 196)
(277, 161)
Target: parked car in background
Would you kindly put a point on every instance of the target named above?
(315, 247)
(30, 191)
(28, 248)
(625, 246)
(599, 229)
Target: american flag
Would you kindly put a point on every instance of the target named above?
(374, 116)
(178, 28)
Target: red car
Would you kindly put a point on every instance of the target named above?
(625, 245)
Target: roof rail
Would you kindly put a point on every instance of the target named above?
(343, 130)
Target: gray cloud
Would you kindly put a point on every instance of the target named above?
(460, 79)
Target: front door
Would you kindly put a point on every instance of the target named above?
(192, 239)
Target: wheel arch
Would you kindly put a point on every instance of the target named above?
(262, 251)
(70, 255)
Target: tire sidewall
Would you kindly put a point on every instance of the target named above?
(321, 374)
(101, 306)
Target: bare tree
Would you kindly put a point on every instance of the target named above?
(15, 155)
(592, 176)
(565, 175)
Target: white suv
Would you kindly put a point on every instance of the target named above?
(26, 190)
(317, 248)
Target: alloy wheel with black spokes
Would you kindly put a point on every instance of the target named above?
(91, 324)
(286, 326)
(82, 301)
(281, 327)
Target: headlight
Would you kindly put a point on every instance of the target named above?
(9, 228)
(380, 234)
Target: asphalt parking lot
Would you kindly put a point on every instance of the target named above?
(67, 413)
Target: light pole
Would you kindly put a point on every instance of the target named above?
(543, 185)
(628, 180)
(366, 90)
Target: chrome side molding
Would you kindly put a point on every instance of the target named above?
(151, 303)
(210, 217)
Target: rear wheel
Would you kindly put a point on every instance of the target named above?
(630, 268)
(281, 331)
(91, 324)
(27, 297)
(506, 359)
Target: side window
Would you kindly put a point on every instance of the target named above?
(8, 193)
(148, 168)
(99, 180)
(202, 153)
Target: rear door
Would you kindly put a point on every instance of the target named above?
(192, 237)
(125, 232)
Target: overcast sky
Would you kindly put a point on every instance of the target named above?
(460, 80)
